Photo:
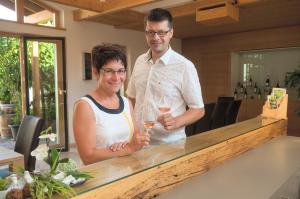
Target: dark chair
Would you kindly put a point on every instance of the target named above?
(232, 112)
(219, 113)
(190, 129)
(27, 139)
(204, 123)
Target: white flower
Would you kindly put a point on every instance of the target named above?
(36, 171)
(60, 176)
(50, 136)
(68, 180)
(40, 152)
(45, 189)
(27, 177)
(14, 179)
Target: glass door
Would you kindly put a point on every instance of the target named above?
(45, 84)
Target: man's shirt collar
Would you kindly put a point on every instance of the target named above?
(165, 58)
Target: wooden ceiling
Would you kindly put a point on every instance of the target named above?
(253, 15)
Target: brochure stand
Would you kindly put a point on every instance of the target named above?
(278, 113)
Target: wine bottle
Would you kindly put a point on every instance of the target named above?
(250, 81)
(259, 94)
(235, 94)
(245, 94)
(277, 85)
(268, 81)
(241, 89)
(286, 80)
(255, 88)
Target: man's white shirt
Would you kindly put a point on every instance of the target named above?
(173, 76)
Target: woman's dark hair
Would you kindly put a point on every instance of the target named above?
(102, 54)
(158, 15)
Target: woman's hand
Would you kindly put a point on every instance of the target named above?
(118, 146)
(139, 140)
(142, 139)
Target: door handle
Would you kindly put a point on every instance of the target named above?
(62, 91)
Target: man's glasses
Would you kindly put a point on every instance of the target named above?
(109, 72)
(160, 33)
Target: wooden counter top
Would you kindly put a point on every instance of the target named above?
(156, 169)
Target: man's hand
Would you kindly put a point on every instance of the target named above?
(168, 121)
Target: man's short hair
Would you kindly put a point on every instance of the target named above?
(158, 15)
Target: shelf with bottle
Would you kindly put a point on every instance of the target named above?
(251, 90)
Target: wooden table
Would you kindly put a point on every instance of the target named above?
(157, 169)
(11, 158)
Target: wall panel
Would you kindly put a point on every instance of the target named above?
(211, 55)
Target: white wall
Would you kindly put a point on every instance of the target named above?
(81, 37)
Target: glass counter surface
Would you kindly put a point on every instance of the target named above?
(111, 170)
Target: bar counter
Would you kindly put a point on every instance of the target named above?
(270, 171)
(156, 169)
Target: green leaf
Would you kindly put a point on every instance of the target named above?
(79, 174)
(54, 155)
(54, 159)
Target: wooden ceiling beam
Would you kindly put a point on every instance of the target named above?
(51, 9)
(38, 17)
(104, 7)
(81, 14)
(94, 5)
(132, 15)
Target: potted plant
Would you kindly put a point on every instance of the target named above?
(293, 81)
(10, 81)
(17, 117)
(16, 121)
(58, 179)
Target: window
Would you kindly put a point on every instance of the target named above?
(30, 12)
(7, 11)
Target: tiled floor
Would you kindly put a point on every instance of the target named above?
(7, 143)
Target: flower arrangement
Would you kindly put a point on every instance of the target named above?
(59, 179)
(50, 156)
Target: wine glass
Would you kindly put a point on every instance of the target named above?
(164, 104)
(148, 121)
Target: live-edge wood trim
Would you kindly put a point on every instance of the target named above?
(154, 181)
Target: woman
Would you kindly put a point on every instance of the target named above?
(103, 123)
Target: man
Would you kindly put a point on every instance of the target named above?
(163, 73)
